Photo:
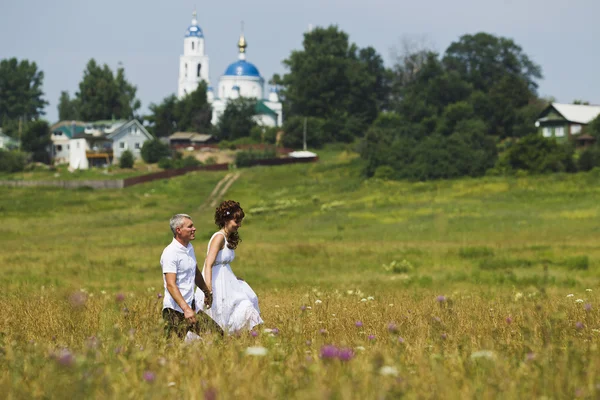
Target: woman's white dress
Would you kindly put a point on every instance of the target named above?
(235, 305)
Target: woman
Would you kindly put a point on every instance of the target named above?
(235, 305)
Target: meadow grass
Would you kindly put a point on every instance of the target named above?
(474, 288)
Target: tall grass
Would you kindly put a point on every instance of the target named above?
(462, 288)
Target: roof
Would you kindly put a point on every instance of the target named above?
(201, 137)
(242, 68)
(124, 127)
(262, 108)
(585, 137)
(194, 31)
(68, 130)
(582, 114)
(181, 135)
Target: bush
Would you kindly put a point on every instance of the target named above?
(154, 150)
(589, 158)
(384, 172)
(537, 154)
(577, 263)
(248, 158)
(226, 145)
(126, 160)
(12, 161)
(170, 163)
(475, 252)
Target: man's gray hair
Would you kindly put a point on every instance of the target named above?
(177, 221)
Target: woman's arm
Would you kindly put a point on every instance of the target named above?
(215, 246)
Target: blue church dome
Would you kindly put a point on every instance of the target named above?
(242, 68)
(194, 31)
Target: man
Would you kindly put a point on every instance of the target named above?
(181, 275)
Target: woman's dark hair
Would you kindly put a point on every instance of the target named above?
(227, 211)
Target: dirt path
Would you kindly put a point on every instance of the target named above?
(220, 190)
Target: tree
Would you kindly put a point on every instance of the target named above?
(126, 160)
(540, 155)
(21, 95)
(154, 150)
(237, 120)
(484, 59)
(332, 78)
(102, 95)
(67, 107)
(163, 118)
(36, 140)
(593, 128)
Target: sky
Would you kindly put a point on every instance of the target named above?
(147, 36)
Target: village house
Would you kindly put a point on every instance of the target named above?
(185, 139)
(567, 122)
(7, 142)
(99, 144)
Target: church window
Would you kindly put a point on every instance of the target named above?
(122, 145)
(137, 145)
(192, 45)
(59, 148)
(185, 70)
(198, 72)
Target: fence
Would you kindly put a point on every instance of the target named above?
(166, 174)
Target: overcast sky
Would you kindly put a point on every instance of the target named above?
(147, 36)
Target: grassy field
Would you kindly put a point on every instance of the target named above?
(475, 288)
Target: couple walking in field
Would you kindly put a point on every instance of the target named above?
(221, 302)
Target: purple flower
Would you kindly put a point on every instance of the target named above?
(400, 340)
(308, 342)
(92, 342)
(587, 307)
(120, 297)
(436, 319)
(254, 333)
(149, 376)
(210, 394)
(345, 354)
(159, 295)
(579, 325)
(443, 336)
(65, 358)
(323, 331)
(441, 299)
(509, 320)
(329, 352)
(302, 308)
(275, 331)
(358, 324)
(392, 328)
(371, 337)
(530, 356)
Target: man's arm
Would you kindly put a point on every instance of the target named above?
(202, 285)
(188, 313)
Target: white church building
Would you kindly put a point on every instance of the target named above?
(240, 79)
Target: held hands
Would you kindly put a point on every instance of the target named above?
(208, 298)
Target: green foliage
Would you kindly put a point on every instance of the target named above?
(384, 172)
(102, 95)
(193, 113)
(237, 120)
(126, 160)
(153, 150)
(170, 163)
(315, 132)
(589, 158)
(21, 94)
(537, 154)
(67, 108)
(36, 140)
(577, 263)
(593, 128)
(475, 252)
(247, 158)
(227, 145)
(331, 79)
(12, 161)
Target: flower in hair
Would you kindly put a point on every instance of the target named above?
(227, 213)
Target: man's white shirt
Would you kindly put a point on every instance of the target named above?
(180, 260)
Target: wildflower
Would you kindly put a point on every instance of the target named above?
(275, 331)
(120, 297)
(370, 298)
(518, 296)
(390, 305)
(329, 352)
(92, 342)
(302, 308)
(387, 370)
(308, 342)
(579, 301)
(509, 320)
(371, 337)
(350, 292)
(159, 295)
(210, 394)
(171, 384)
(267, 330)
(254, 334)
(363, 300)
(530, 356)
(149, 376)
(65, 358)
(359, 348)
(579, 325)
(444, 336)
(323, 331)
(345, 354)
(392, 328)
(441, 299)
(317, 301)
(162, 361)
(587, 307)
(308, 307)
(570, 295)
(483, 354)
(358, 324)
(256, 351)
(400, 340)
(276, 306)
(588, 290)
